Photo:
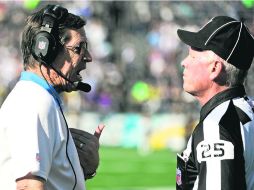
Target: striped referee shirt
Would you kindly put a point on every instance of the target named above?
(220, 152)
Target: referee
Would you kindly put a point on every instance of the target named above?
(220, 151)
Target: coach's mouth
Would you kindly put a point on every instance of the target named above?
(78, 73)
(79, 76)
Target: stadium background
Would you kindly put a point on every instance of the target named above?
(136, 81)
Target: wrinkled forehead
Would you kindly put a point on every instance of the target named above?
(77, 36)
(203, 53)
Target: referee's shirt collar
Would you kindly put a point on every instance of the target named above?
(29, 76)
(221, 97)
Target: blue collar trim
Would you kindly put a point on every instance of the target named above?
(29, 76)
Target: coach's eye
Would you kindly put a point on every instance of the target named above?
(82, 47)
(77, 49)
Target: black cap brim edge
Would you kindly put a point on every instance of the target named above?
(191, 38)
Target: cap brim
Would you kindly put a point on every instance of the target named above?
(191, 38)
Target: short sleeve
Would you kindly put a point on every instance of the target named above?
(30, 143)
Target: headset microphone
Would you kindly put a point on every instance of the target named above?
(78, 85)
(82, 86)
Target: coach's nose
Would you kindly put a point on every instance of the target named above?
(87, 56)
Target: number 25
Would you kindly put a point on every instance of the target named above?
(218, 150)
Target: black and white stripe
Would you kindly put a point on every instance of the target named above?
(222, 144)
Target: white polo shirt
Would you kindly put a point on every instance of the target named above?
(33, 138)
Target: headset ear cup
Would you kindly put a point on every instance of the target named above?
(44, 47)
(45, 43)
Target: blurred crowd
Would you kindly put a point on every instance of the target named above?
(135, 49)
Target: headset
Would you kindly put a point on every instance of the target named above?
(46, 43)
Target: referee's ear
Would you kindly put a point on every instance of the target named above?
(215, 69)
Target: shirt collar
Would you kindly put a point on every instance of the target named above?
(221, 97)
(29, 76)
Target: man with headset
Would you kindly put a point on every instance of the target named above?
(38, 151)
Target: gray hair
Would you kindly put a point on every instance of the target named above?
(231, 75)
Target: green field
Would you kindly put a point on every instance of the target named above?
(126, 169)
